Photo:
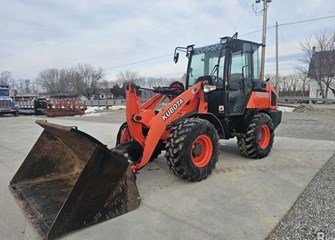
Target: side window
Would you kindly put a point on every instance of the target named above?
(256, 63)
(197, 69)
(241, 68)
(237, 66)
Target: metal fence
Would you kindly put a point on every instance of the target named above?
(296, 99)
(290, 99)
(104, 102)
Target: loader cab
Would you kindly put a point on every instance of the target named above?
(232, 66)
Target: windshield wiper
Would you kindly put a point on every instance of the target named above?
(215, 69)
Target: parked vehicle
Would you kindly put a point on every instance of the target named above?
(7, 105)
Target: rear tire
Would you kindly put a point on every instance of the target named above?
(258, 140)
(192, 149)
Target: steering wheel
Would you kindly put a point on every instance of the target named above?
(209, 79)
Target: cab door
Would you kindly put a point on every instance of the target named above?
(240, 78)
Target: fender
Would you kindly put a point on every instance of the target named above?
(206, 116)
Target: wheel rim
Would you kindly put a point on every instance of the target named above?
(264, 136)
(125, 137)
(201, 151)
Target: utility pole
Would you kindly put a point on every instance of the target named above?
(277, 65)
(265, 15)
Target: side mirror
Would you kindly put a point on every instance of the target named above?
(176, 57)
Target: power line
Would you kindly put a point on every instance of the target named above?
(290, 23)
(283, 40)
(308, 20)
(256, 31)
(239, 19)
(141, 61)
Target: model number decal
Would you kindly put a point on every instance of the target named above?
(172, 109)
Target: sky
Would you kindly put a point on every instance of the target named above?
(124, 35)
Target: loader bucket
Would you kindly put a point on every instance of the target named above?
(70, 180)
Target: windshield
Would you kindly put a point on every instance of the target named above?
(207, 61)
(4, 92)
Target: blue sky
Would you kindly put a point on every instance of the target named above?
(40, 34)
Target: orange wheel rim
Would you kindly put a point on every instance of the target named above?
(125, 137)
(201, 151)
(264, 136)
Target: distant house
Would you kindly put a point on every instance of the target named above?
(322, 66)
(102, 93)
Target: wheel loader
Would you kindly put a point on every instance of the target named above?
(70, 180)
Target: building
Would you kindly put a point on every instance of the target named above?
(322, 68)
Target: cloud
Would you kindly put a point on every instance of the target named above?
(41, 34)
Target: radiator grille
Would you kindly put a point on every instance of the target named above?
(5, 103)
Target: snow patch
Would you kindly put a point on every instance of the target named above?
(90, 110)
(117, 107)
(286, 109)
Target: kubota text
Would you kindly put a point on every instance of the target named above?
(172, 109)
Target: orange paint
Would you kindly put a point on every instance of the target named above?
(138, 116)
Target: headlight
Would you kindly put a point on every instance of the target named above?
(209, 88)
(224, 40)
(190, 48)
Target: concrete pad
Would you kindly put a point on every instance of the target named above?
(242, 199)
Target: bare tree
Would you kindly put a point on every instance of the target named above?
(82, 79)
(304, 83)
(104, 87)
(158, 82)
(54, 80)
(295, 84)
(5, 77)
(129, 77)
(319, 60)
(123, 78)
(24, 86)
(75, 81)
(90, 78)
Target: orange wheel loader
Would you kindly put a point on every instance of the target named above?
(70, 180)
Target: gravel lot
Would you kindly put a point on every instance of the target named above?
(313, 214)
(318, 124)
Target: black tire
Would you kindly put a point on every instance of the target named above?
(181, 148)
(119, 133)
(255, 144)
(155, 154)
(15, 114)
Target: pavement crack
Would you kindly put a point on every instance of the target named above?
(196, 227)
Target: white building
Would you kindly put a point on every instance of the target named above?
(322, 66)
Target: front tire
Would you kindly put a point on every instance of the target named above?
(258, 140)
(123, 135)
(192, 149)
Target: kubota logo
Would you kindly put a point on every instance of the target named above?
(172, 109)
